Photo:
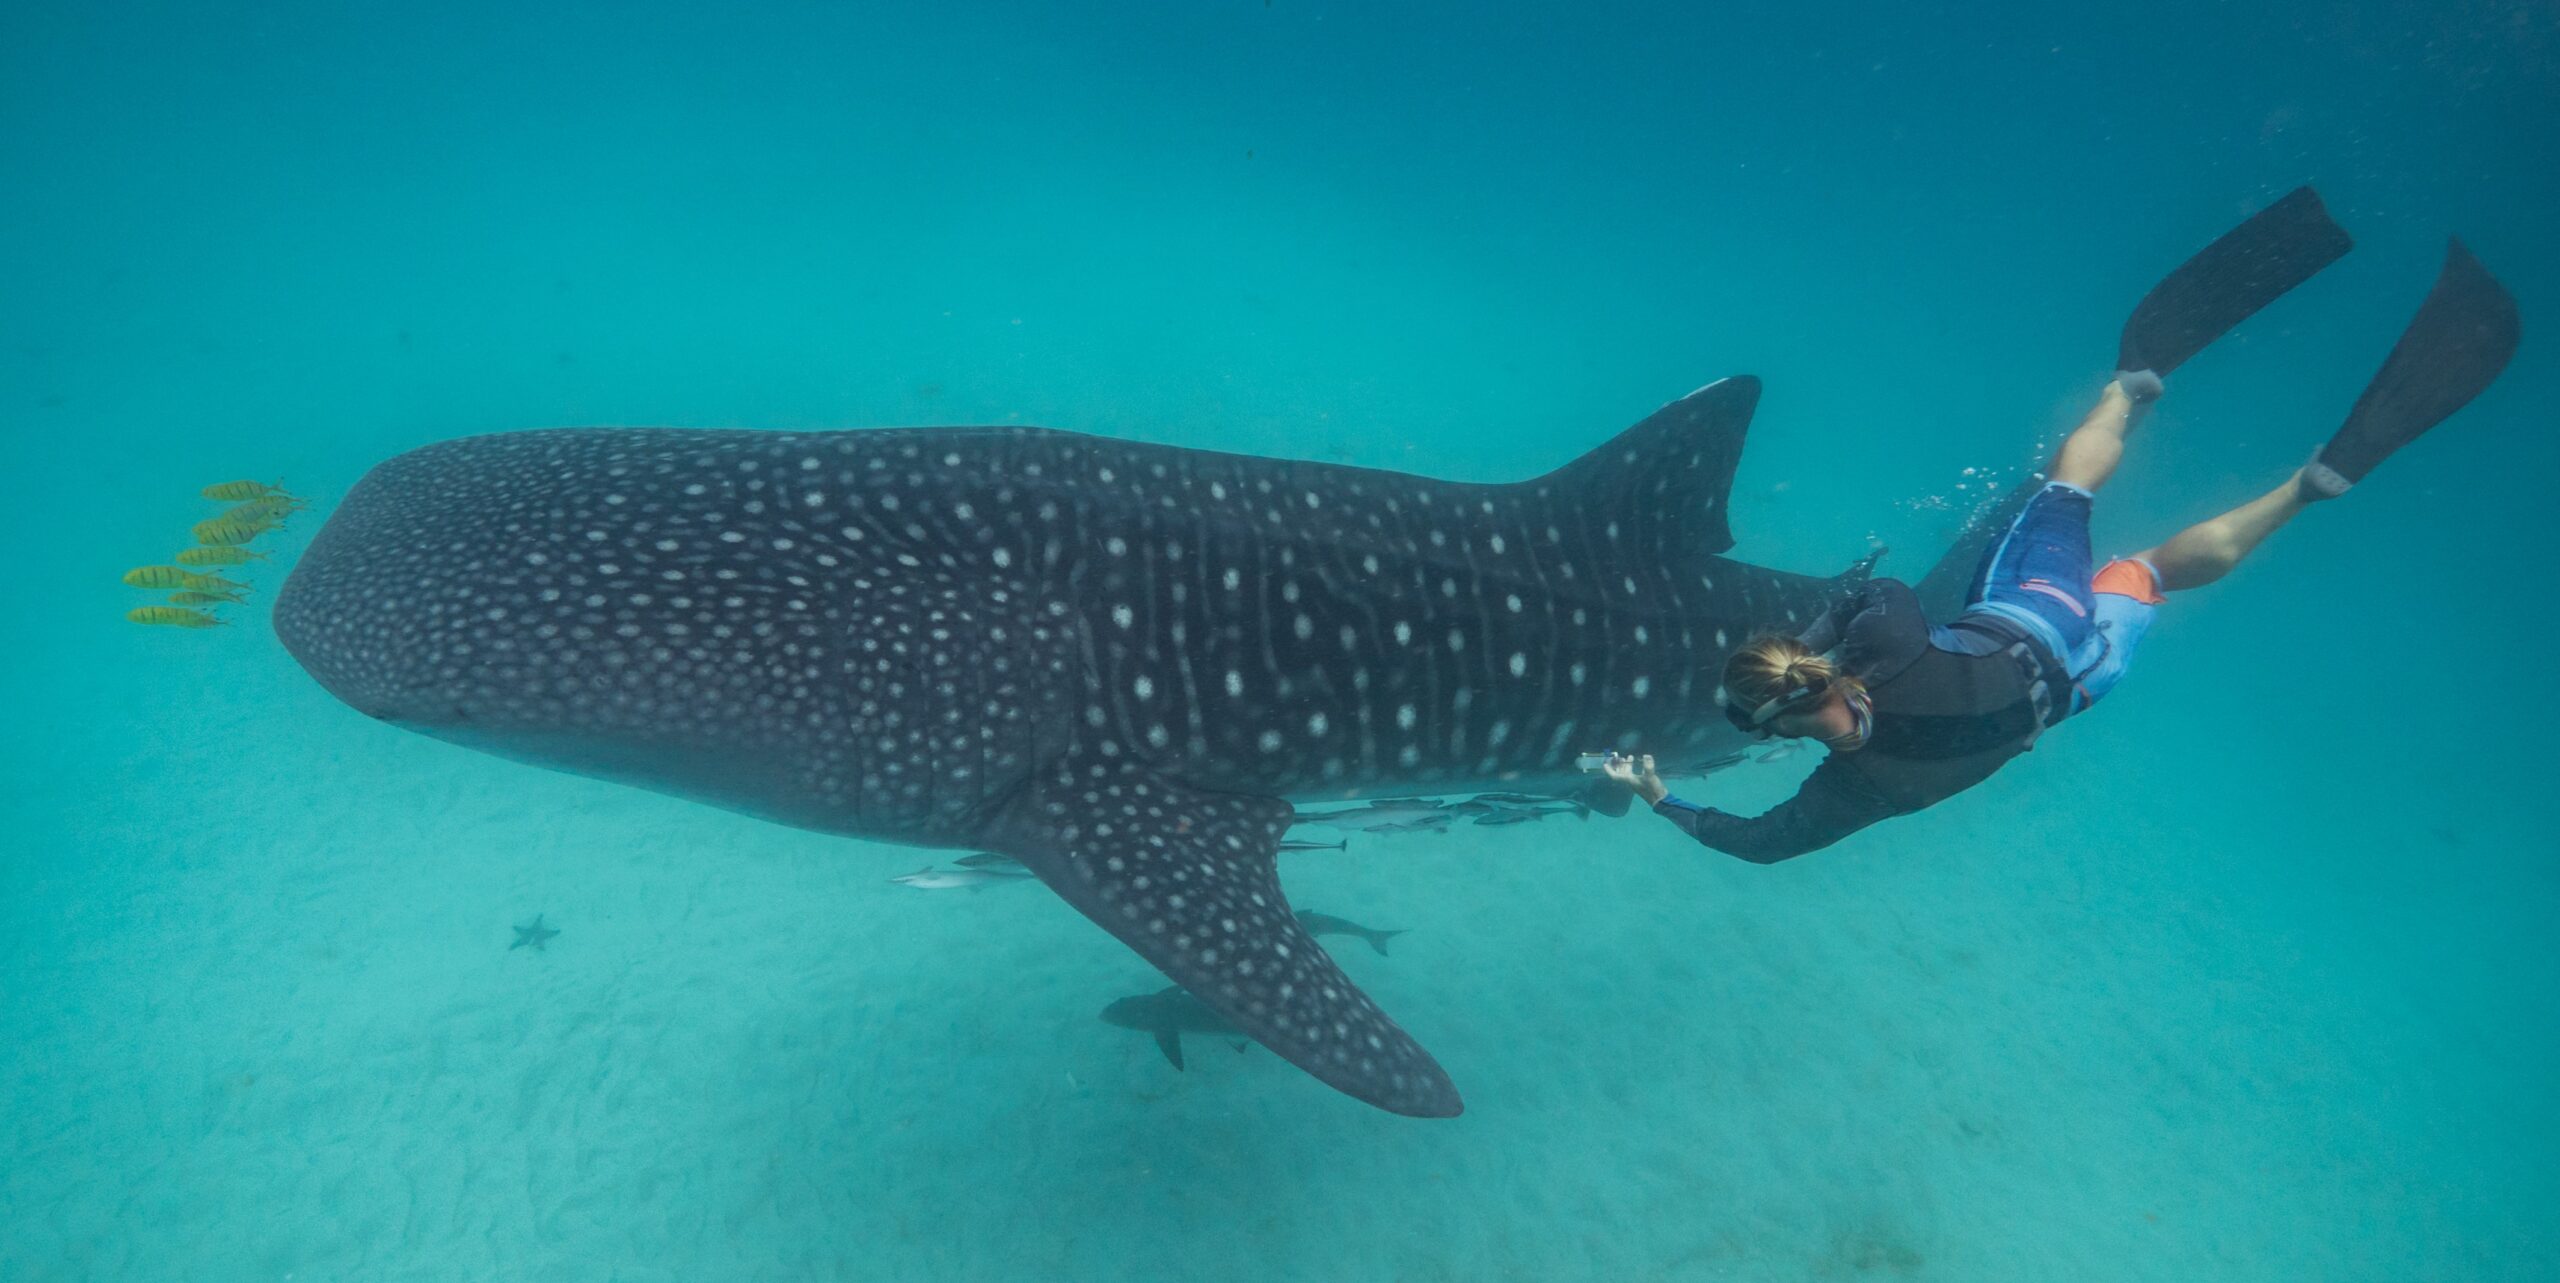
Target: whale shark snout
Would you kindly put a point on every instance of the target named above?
(506, 595)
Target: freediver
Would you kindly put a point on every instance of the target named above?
(1915, 712)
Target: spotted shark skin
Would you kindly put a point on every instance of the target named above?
(1116, 662)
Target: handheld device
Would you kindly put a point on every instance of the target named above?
(1589, 762)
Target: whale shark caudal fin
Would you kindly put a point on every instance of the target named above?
(1667, 479)
(1190, 880)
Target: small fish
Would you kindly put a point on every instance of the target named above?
(1516, 808)
(272, 510)
(159, 576)
(1528, 817)
(933, 879)
(172, 617)
(1325, 924)
(1385, 810)
(180, 577)
(1170, 1013)
(202, 555)
(1427, 824)
(218, 532)
(1303, 844)
(991, 860)
(192, 598)
(1780, 750)
(1720, 762)
(232, 491)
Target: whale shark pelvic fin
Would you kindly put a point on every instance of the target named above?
(1189, 879)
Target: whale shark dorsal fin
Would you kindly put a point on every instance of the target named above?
(1189, 879)
(1666, 481)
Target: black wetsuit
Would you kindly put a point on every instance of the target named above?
(1951, 705)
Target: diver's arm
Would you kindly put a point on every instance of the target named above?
(1828, 808)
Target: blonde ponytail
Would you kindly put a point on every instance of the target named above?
(1771, 665)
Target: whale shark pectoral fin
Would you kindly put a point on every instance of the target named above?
(1170, 1043)
(1190, 879)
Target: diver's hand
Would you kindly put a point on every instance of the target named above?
(1636, 773)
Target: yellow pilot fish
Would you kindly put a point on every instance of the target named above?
(180, 577)
(233, 491)
(193, 598)
(219, 532)
(172, 617)
(161, 577)
(272, 509)
(214, 555)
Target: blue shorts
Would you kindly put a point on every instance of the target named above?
(2039, 580)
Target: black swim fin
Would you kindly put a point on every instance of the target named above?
(2251, 266)
(2462, 337)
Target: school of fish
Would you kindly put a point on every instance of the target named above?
(195, 587)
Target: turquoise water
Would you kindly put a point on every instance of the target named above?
(2245, 976)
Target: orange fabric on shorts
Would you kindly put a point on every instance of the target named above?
(2126, 577)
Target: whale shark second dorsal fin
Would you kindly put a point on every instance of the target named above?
(1665, 482)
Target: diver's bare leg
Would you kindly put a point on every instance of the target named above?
(2207, 550)
(2090, 454)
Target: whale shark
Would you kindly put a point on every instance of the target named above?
(1122, 664)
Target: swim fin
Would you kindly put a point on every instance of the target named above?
(2251, 266)
(2454, 348)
